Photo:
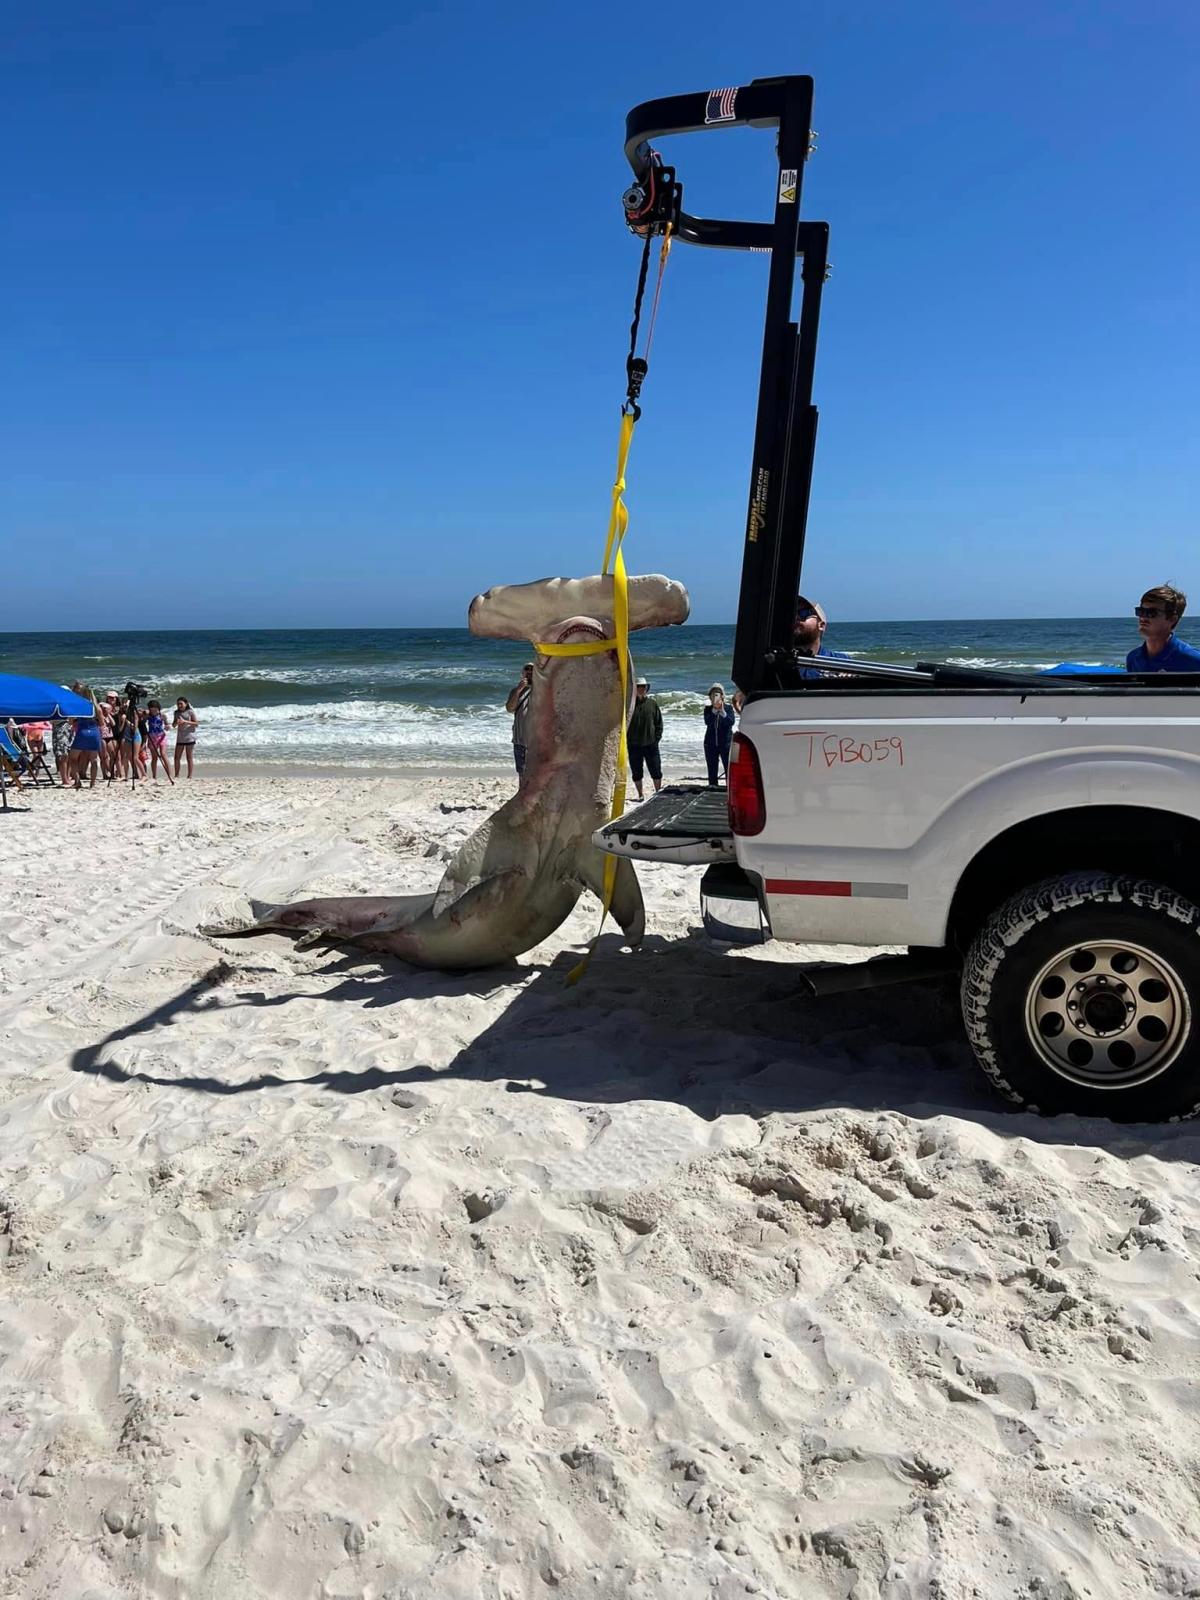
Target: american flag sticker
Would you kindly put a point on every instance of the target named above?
(720, 105)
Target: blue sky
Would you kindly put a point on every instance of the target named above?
(316, 312)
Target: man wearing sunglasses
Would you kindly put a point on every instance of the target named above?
(1158, 616)
(808, 641)
(808, 644)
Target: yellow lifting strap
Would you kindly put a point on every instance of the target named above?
(617, 523)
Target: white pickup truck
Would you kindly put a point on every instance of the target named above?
(1040, 832)
(1045, 837)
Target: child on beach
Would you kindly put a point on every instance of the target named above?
(64, 733)
(143, 748)
(108, 744)
(125, 725)
(156, 738)
(185, 722)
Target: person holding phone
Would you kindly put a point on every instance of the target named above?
(719, 719)
(517, 705)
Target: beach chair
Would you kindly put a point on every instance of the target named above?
(40, 771)
(10, 768)
(30, 763)
(15, 759)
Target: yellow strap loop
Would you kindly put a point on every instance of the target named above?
(617, 523)
(593, 647)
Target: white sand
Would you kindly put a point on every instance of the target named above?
(325, 1277)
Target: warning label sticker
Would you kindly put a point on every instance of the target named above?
(787, 186)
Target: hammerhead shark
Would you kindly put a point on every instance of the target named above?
(518, 876)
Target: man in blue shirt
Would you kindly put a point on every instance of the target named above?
(1158, 616)
(808, 643)
(808, 637)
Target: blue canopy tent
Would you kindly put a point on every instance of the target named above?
(33, 700)
(38, 701)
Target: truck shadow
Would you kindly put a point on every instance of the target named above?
(725, 1035)
(710, 1029)
(680, 1020)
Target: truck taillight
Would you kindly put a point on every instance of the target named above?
(747, 804)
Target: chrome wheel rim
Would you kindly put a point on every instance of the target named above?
(1106, 1014)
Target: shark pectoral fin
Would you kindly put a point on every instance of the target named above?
(479, 925)
(626, 905)
(241, 916)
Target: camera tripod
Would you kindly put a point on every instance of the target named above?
(128, 702)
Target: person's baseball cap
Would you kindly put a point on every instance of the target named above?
(641, 683)
(818, 610)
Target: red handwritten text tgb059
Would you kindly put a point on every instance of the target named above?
(840, 750)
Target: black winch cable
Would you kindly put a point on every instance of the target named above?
(637, 366)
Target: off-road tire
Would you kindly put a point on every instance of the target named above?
(1014, 945)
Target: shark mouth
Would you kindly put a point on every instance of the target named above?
(578, 631)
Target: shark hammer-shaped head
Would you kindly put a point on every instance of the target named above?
(531, 610)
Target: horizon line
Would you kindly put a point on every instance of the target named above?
(458, 627)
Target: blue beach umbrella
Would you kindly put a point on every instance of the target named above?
(40, 701)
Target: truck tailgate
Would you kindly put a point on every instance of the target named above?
(684, 823)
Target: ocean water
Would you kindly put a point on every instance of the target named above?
(404, 697)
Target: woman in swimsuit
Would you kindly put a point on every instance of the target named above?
(125, 726)
(85, 747)
(110, 745)
(143, 747)
(118, 733)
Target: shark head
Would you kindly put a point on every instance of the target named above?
(576, 709)
(532, 610)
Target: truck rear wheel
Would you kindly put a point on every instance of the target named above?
(1080, 993)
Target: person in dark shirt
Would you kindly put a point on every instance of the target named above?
(1159, 614)
(719, 719)
(808, 637)
(643, 738)
(517, 706)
